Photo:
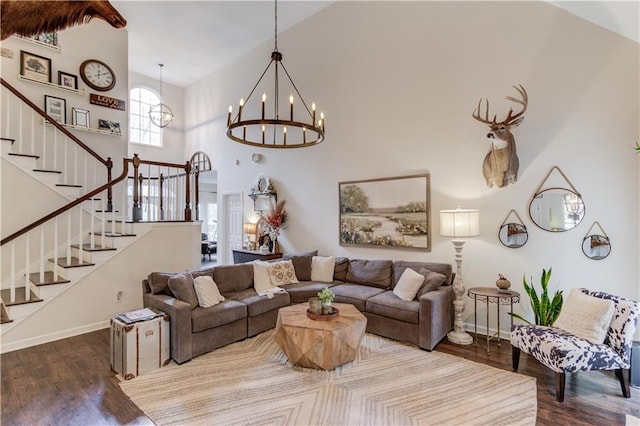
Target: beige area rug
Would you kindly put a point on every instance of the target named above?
(390, 383)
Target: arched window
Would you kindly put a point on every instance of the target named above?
(141, 129)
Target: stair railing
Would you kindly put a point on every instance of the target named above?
(57, 149)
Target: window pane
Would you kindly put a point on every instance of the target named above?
(141, 129)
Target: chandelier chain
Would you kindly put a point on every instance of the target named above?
(275, 19)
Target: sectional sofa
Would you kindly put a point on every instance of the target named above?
(367, 284)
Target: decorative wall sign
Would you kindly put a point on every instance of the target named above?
(106, 101)
(387, 212)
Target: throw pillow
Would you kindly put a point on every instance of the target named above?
(282, 273)
(374, 273)
(261, 278)
(181, 286)
(586, 316)
(207, 291)
(322, 268)
(408, 285)
(159, 282)
(302, 263)
(432, 281)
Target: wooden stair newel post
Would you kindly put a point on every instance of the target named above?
(161, 196)
(187, 199)
(110, 190)
(137, 211)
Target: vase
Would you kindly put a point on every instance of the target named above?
(326, 308)
(274, 241)
(315, 306)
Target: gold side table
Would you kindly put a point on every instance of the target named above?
(491, 295)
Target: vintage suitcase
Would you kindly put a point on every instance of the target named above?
(139, 347)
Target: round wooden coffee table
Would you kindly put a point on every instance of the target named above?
(322, 345)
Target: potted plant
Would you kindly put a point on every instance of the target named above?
(326, 296)
(546, 310)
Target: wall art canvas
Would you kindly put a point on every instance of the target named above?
(386, 212)
(35, 67)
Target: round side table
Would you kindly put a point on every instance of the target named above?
(491, 295)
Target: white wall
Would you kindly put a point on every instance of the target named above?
(398, 82)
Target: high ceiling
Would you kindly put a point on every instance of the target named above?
(193, 38)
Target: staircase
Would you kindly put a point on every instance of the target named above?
(91, 218)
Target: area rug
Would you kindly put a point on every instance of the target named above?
(390, 383)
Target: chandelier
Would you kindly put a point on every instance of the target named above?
(275, 125)
(160, 114)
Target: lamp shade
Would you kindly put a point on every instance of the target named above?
(459, 223)
(249, 228)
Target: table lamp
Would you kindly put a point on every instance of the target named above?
(459, 223)
(249, 229)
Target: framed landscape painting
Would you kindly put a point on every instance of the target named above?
(386, 212)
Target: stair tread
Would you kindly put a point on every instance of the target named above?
(24, 155)
(68, 185)
(49, 278)
(47, 171)
(75, 262)
(20, 298)
(96, 247)
(4, 316)
(8, 139)
(116, 234)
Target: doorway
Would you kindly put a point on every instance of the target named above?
(230, 230)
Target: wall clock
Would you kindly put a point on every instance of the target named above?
(97, 75)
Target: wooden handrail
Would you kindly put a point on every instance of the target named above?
(52, 121)
(85, 197)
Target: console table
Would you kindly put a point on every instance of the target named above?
(244, 256)
(491, 295)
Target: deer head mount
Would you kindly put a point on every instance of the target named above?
(500, 166)
(29, 18)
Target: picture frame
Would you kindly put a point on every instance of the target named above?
(35, 67)
(67, 80)
(80, 117)
(109, 126)
(47, 38)
(56, 108)
(392, 212)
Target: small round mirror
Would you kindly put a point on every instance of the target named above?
(596, 247)
(556, 209)
(513, 235)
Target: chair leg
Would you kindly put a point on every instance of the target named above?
(623, 375)
(515, 357)
(560, 386)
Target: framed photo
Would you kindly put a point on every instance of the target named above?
(47, 38)
(80, 117)
(35, 67)
(387, 212)
(56, 108)
(110, 126)
(67, 80)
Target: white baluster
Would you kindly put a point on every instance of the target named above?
(75, 164)
(80, 245)
(93, 224)
(7, 124)
(68, 242)
(27, 261)
(65, 160)
(55, 248)
(33, 132)
(55, 150)
(41, 253)
(44, 145)
(12, 283)
(20, 130)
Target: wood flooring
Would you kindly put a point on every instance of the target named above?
(69, 382)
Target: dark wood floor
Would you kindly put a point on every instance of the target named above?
(68, 382)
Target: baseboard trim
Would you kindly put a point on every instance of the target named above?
(51, 337)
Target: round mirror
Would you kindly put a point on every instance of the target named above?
(556, 209)
(513, 235)
(596, 247)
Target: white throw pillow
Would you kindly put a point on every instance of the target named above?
(282, 273)
(322, 268)
(207, 291)
(261, 278)
(586, 316)
(408, 285)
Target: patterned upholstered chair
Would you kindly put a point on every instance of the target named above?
(565, 353)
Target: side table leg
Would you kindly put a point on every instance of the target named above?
(498, 321)
(475, 321)
(487, 329)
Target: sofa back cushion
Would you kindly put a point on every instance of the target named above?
(442, 268)
(302, 263)
(233, 278)
(181, 286)
(159, 282)
(340, 270)
(375, 273)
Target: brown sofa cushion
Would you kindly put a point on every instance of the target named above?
(257, 305)
(389, 305)
(181, 286)
(354, 294)
(432, 281)
(377, 273)
(233, 278)
(302, 264)
(159, 282)
(340, 271)
(301, 292)
(442, 268)
(214, 316)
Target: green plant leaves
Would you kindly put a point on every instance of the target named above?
(545, 310)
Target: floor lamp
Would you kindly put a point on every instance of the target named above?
(458, 224)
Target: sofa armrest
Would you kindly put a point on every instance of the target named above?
(436, 316)
(180, 323)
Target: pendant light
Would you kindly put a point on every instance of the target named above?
(160, 114)
(270, 124)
